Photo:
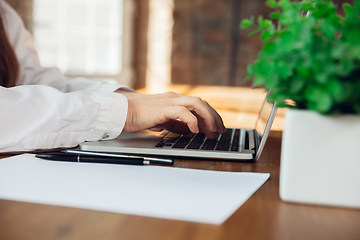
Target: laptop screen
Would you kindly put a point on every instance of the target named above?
(263, 124)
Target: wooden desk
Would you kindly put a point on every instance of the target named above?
(263, 216)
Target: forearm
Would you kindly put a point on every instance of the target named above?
(40, 117)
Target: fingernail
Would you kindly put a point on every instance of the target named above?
(196, 130)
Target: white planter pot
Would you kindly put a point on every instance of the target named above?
(320, 159)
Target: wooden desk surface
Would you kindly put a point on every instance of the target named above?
(263, 216)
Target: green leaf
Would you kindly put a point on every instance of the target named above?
(338, 51)
(336, 89)
(346, 93)
(270, 48)
(266, 35)
(314, 61)
(319, 100)
(275, 15)
(307, 6)
(245, 23)
(272, 3)
(271, 29)
(272, 81)
(296, 85)
(279, 98)
(255, 31)
(303, 72)
(285, 4)
(283, 70)
(344, 67)
(347, 8)
(266, 23)
(321, 77)
(286, 40)
(356, 107)
(258, 80)
(353, 36)
(354, 53)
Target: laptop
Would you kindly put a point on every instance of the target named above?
(237, 144)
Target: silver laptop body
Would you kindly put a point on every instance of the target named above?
(245, 144)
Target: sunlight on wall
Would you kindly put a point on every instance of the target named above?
(158, 74)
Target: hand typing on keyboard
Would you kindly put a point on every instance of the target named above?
(173, 112)
(228, 141)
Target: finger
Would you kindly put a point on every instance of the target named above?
(213, 121)
(175, 126)
(168, 96)
(203, 110)
(182, 113)
(203, 128)
(220, 127)
(156, 129)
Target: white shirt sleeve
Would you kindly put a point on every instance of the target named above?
(42, 117)
(46, 110)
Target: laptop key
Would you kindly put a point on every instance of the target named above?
(209, 144)
(183, 141)
(224, 141)
(197, 141)
(194, 146)
(179, 145)
(236, 140)
(159, 145)
(247, 139)
(234, 149)
(223, 147)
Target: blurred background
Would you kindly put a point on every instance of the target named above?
(195, 42)
(157, 45)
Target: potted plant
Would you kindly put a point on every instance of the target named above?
(311, 64)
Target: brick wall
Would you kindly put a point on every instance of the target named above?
(202, 42)
(140, 41)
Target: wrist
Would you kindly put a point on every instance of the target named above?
(126, 92)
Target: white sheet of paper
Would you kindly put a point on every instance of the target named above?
(163, 192)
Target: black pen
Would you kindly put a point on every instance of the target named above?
(91, 159)
(163, 161)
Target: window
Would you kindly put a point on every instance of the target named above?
(83, 37)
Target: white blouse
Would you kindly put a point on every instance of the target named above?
(46, 110)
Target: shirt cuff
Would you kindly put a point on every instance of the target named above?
(111, 116)
(107, 88)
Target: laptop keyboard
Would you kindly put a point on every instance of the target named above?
(225, 142)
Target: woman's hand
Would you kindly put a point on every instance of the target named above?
(171, 111)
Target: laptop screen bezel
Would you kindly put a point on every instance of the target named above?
(261, 143)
